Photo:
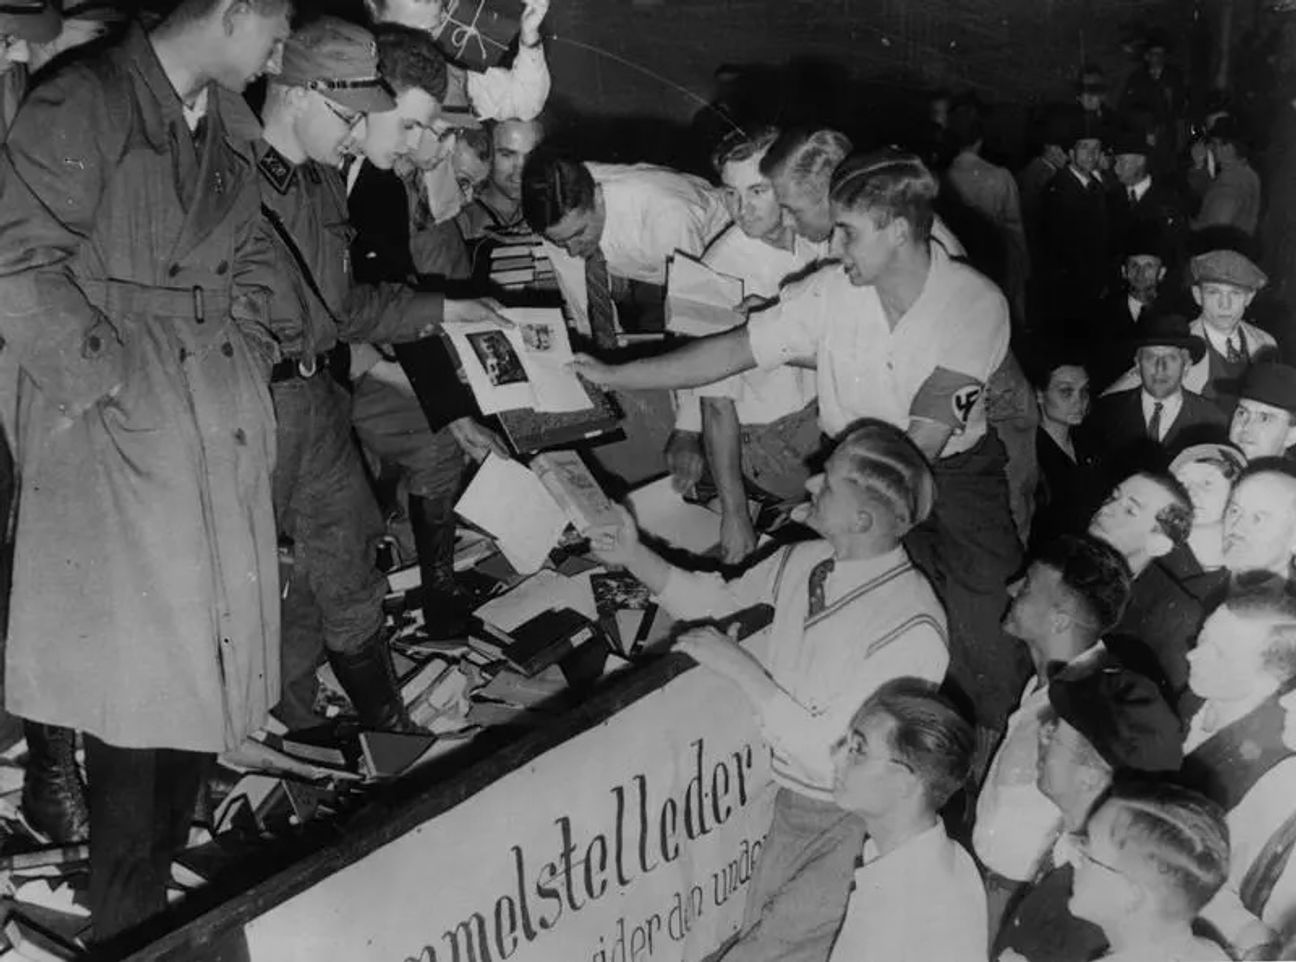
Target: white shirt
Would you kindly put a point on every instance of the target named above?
(1220, 342)
(935, 364)
(1190, 949)
(1140, 188)
(827, 666)
(1135, 307)
(760, 397)
(1251, 823)
(651, 213)
(1016, 823)
(518, 93)
(1170, 408)
(921, 902)
(1197, 376)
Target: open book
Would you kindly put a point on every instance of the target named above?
(524, 367)
(699, 300)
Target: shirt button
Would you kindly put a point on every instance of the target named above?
(184, 355)
(222, 267)
(93, 344)
(227, 349)
(173, 270)
(240, 436)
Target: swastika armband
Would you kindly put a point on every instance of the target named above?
(948, 397)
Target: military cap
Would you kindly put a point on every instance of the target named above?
(1272, 383)
(1122, 714)
(1227, 267)
(339, 60)
(456, 111)
(36, 21)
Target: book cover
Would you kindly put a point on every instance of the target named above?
(388, 754)
(546, 639)
(566, 477)
(529, 431)
(626, 610)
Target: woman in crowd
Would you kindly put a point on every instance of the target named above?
(1069, 485)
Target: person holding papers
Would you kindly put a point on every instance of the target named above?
(757, 428)
(850, 613)
(327, 89)
(899, 331)
(609, 230)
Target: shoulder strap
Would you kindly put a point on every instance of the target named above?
(782, 568)
(308, 275)
(1262, 876)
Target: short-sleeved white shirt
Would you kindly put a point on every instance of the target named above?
(934, 365)
(759, 397)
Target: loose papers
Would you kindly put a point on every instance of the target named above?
(699, 300)
(508, 500)
(523, 367)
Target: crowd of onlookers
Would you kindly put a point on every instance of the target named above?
(1026, 691)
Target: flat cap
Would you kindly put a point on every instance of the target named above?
(1270, 383)
(36, 21)
(1229, 459)
(339, 60)
(1227, 267)
(1122, 714)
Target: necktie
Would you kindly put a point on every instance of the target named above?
(1133, 197)
(598, 297)
(1236, 350)
(818, 576)
(1154, 423)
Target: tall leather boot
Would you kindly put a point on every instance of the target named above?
(446, 607)
(369, 679)
(54, 793)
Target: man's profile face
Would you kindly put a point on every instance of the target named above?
(807, 206)
(1034, 601)
(1261, 430)
(1161, 369)
(1227, 663)
(1260, 523)
(864, 249)
(396, 134)
(514, 140)
(750, 197)
(1127, 520)
(580, 230)
(324, 128)
(1087, 154)
(1143, 272)
(1222, 304)
(253, 45)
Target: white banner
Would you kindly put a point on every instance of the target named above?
(631, 842)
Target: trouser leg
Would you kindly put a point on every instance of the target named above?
(798, 896)
(141, 803)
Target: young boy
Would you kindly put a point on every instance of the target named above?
(850, 612)
(917, 895)
(1152, 855)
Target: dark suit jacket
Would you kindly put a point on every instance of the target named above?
(1161, 208)
(1117, 428)
(379, 210)
(1075, 243)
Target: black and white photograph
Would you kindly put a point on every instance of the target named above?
(501, 362)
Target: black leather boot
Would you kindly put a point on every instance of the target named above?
(54, 793)
(446, 607)
(369, 680)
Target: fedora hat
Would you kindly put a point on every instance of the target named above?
(1166, 329)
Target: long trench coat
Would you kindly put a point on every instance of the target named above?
(133, 386)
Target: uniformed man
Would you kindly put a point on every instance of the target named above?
(132, 306)
(324, 98)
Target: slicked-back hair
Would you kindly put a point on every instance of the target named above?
(927, 734)
(1094, 574)
(807, 157)
(1263, 595)
(882, 460)
(888, 184)
(188, 11)
(554, 185)
(739, 145)
(1179, 838)
(1176, 518)
(409, 59)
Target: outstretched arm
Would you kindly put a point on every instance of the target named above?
(702, 361)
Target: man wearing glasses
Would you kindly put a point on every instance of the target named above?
(851, 612)
(328, 96)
